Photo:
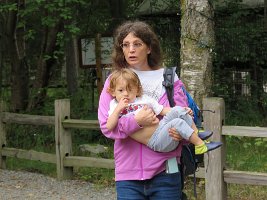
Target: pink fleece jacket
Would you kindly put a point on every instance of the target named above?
(135, 161)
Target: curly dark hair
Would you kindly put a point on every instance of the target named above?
(143, 31)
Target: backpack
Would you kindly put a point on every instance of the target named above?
(168, 76)
(189, 161)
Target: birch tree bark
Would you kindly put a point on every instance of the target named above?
(197, 41)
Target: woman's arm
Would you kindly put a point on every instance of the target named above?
(180, 99)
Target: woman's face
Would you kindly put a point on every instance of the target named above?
(135, 52)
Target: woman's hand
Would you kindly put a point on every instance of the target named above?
(175, 135)
(146, 117)
(189, 111)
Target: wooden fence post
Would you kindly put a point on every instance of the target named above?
(2, 135)
(215, 187)
(63, 138)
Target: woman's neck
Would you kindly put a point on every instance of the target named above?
(141, 67)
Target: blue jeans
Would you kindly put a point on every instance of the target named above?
(161, 187)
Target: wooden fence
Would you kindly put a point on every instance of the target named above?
(215, 172)
(64, 159)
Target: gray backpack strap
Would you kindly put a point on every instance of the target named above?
(168, 82)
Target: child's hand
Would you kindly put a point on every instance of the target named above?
(146, 117)
(189, 111)
(123, 103)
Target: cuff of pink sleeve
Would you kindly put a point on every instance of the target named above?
(134, 125)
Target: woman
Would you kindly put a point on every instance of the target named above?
(139, 171)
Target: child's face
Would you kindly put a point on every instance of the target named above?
(122, 92)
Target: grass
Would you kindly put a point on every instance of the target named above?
(246, 192)
(235, 191)
(31, 166)
(246, 154)
(100, 177)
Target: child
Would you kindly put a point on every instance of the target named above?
(126, 89)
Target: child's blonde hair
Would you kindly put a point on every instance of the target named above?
(130, 77)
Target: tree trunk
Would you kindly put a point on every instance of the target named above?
(1, 55)
(100, 81)
(257, 91)
(197, 42)
(44, 66)
(17, 57)
(72, 65)
(265, 15)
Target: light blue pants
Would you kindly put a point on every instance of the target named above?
(177, 118)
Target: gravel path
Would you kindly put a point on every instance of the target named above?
(27, 186)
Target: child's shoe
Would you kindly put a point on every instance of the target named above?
(206, 146)
(203, 135)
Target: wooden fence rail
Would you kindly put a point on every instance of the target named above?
(215, 172)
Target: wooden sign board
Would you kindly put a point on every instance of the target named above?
(88, 55)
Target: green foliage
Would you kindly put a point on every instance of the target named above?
(71, 17)
(246, 154)
(6, 7)
(240, 45)
(239, 33)
(39, 138)
(42, 137)
(84, 104)
(243, 113)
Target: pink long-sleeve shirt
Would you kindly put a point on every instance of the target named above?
(133, 160)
